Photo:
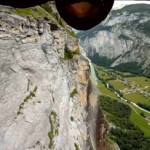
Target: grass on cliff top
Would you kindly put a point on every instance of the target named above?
(37, 12)
(43, 11)
(57, 17)
(49, 9)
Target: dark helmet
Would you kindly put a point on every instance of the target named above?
(80, 14)
(97, 12)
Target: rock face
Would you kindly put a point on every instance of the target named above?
(43, 96)
(123, 38)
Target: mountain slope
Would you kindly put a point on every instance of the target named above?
(122, 40)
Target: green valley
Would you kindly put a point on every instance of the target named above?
(132, 90)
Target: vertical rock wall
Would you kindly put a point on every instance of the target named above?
(42, 95)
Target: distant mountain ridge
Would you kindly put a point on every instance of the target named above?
(122, 40)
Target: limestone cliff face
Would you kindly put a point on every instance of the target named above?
(43, 96)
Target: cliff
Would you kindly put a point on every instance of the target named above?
(47, 100)
(122, 41)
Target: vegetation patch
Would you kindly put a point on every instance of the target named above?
(117, 84)
(68, 54)
(73, 93)
(101, 60)
(71, 118)
(125, 133)
(144, 106)
(132, 85)
(111, 87)
(125, 69)
(76, 146)
(114, 107)
(131, 67)
(53, 128)
(104, 91)
(140, 122)
(57, 17)
(43, 11)
(37, 12)
(30, 96)
(137, 98)
(54, 14)
(141, 81)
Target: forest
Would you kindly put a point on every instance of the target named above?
(123, 132)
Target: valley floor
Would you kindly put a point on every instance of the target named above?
(134, 90)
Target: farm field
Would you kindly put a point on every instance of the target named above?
(117, 84)
(137, 98)
(141, 81)
(140, 122)
(104, 91)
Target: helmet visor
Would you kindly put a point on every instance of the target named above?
(80, 14)
(84, 14)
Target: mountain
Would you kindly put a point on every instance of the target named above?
(121, 41)
(47, 99)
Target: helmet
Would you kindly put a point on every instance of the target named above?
(80, 14)
(84, 14)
